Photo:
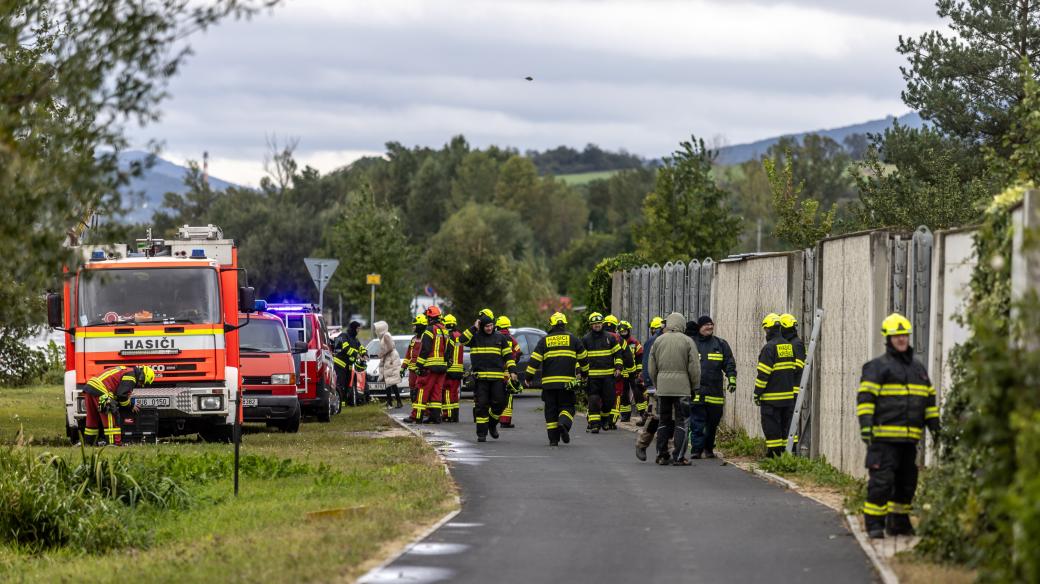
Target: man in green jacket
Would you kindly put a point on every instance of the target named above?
(676, 372)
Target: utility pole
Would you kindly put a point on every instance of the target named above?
(758, 236)
(373, 280)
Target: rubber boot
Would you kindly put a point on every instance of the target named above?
(875, 526)
(493, 429)
(899, 524)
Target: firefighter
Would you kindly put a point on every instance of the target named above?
(896, 400)
(502, 323)
(610, 324)
(646, 413)
(358, 377)
(718, 371)
(105, 394)
(432, 365)
(346, 347)
(410, 361)
(603, 366)
(552, 367)
(775, 385)
(453, 380)
(789, 330)
(633, 391)
(491, 358)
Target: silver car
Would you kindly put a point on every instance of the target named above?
(374, 384)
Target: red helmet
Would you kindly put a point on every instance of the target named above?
(433, 312)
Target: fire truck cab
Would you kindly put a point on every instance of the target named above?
(170, 304)
(316, 381)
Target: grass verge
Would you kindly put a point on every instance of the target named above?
(321, 505)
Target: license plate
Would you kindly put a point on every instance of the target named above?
(152, 402)
(377, 385)
(250, 402)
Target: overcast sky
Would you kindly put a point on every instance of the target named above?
(346, 76)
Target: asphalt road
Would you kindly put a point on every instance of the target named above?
(591, 512)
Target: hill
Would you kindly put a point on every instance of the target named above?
(744, 152)
(163, 177)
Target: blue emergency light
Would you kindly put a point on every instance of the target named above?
(198, 254)
(97, 255)
(261, 306)
(290, 307)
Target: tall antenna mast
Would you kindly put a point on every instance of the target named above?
(205, 168)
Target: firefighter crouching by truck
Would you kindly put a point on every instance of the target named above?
(895, 401)
(410, 361)
(491, 357)
(502, 323)
(432, 366)
(453, 380)
(552, 367)
(103, 397)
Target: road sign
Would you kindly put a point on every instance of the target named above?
(321, 270)
(430, 291)
(374, 279)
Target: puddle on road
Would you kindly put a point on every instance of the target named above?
(420, 574)
(437, 549)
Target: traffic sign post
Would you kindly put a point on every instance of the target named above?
(373, 280)
(321, 270)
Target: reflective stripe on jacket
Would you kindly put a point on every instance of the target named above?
(777, 371)
(556, 359)
(896, 399)
(603, 352)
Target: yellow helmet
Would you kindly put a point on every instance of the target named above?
(624, 326)
(420, 319)
(896, 324)
(595, 317)
(557, 318)
(148, 373)
(450, 320)
(772, 319)
(656, 322)
(611, 319)
(788, 320)
(487, 312)
(503, 322)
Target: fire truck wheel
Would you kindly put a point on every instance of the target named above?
(292, 425)
(222, 433)
(325, 406)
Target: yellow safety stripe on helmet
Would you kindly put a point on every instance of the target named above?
(866, 409)
(931, 412)
(875, 510)
(776, 395)
(765, 368)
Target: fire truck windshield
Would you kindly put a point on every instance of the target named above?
(149, 295)
(264, 336)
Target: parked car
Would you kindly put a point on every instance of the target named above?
(374, 384)
(268, 373)
(316, 375)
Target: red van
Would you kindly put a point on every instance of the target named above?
(268, 373)
(316, 376)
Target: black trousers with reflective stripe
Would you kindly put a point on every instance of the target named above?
(776, 420)
(489, 399)
(601, 399)
(892, 468)
(556, 402)
(705, 419)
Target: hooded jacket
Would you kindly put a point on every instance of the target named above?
(674, 365)
(389, 358)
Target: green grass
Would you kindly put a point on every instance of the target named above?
(301, 527)
(737, 444)
(581, 178)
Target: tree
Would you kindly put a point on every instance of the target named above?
(570, 269)
(477, 176)
(185, 209)
(915, 177)
(562, 217)
(753, 201)
(74, 74)
(820, 164)
(517, 188)
(369, 239)
(617, 202)
(798, 220)
(969, 82)
(687, 214)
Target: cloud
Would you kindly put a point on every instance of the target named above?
(347, 76)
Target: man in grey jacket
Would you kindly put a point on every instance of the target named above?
(676, 371)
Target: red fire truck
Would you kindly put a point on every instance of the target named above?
(169, 304)
(316, 382)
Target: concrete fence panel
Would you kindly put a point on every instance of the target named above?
(679, 289)
(669, 286)
(693, 288)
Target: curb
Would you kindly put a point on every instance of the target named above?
(882, 567)
(370, 575)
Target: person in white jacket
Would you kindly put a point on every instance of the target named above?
(389, 364)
